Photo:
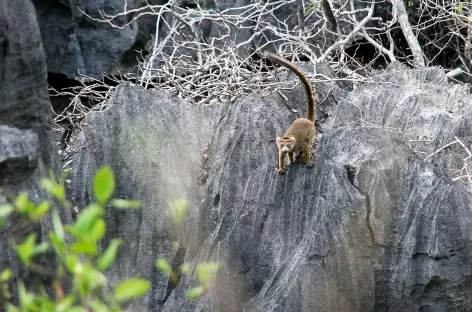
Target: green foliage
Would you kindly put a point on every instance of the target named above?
(125, 204)
(178, 210)
(460, 8)
(26, 208)
(311, 6)
(132, 288)
(164, 266)
(54, 188)
(28, 249)
(6, 210)
(205, 271)
(104, 262)
(78, 256)
(104, 185)
(5, 276)
(196, 292)
(185, 268)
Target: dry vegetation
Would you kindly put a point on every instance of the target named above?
(212, 55)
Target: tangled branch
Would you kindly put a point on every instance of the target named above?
(214, 54)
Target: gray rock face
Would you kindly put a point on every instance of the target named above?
(24, 99)
(26, 149)
(18, 154)
(83, 45)
(371, 227)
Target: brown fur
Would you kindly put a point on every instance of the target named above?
(301, 134)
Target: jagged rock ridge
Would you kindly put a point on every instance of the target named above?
(26, 149)
(371, 227)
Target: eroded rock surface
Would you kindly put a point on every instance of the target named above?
(82, 45)
(18, 154)
(373, 226)
(25, 110)
(26, 149)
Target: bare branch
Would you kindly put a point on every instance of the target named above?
(351, 34)
(454, 73)
(410, 37)
(442, 148)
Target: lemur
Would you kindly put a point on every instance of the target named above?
(301, 134)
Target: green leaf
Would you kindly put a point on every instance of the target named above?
(72, 230)
(12, 308)
(5, 292)
(93, 278)
(81, 278)
(23, 204)
(459, 8)
(310, 8)
(99, 306)
(26, 299)
(185, 268)
(175, 245)
(77, 309)
(26, 249)
(206, 271)
(73, 264)
(104, 184)
(164, 266)
(40, 211)
(84, 247)
(5, 210)
(43, 302)
(87, 217)
(125, 204)
(5, 275)
(65, 303)
(196, 292)
(178, 210)
(57, 244)
(54, 188)
(41, 248)
(48, 185)
(57, 224)
(109, 255)
(21, 201)
(131, 288)
(97, 230)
